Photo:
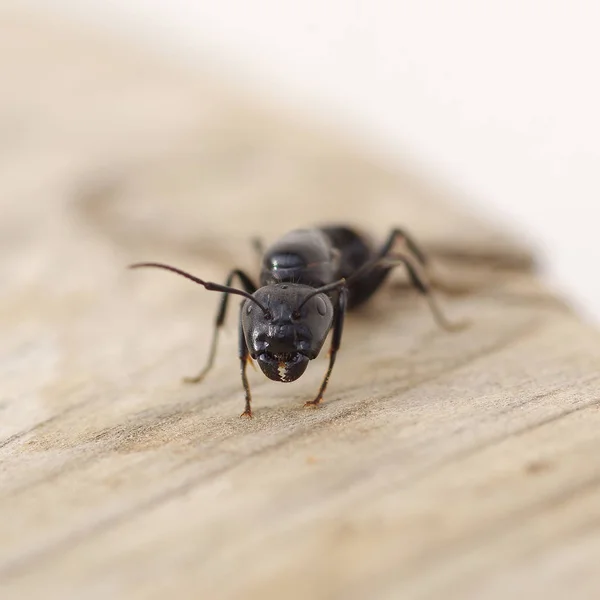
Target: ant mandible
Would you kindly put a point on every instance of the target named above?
(308, 279)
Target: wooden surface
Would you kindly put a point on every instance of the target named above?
(442, 465)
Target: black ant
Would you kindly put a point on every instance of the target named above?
(308, 279)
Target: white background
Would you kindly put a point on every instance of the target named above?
(500, 98)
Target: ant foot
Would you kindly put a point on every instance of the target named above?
(455, 326)
(247, 414)
(196, 379)
(313, 403)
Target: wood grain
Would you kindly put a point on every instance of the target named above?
(442, 465)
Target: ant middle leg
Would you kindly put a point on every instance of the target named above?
(249, 286)
(338, 325)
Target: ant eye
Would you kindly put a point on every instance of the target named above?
(321, 306)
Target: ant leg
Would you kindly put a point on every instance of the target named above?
(338, 325)
(419, 279)
(399, 234)
(244, 358)
(376, 269)
(258, 246)
(385, 251)
(250, 288)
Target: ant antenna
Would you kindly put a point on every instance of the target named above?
(326, 288)
(209, 285)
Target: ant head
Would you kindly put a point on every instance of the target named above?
(284, 324)
(290, 330)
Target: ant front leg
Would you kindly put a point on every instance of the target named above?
(244, 358)
(250, 288)
(338, 325)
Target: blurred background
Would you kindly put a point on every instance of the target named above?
(498, 99)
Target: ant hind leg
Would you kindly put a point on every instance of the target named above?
(411, 245)
(416, 263)
(258, 246)
(419, 279)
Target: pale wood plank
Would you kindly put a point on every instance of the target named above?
(463, 465)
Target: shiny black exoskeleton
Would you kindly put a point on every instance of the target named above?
(308, 279)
